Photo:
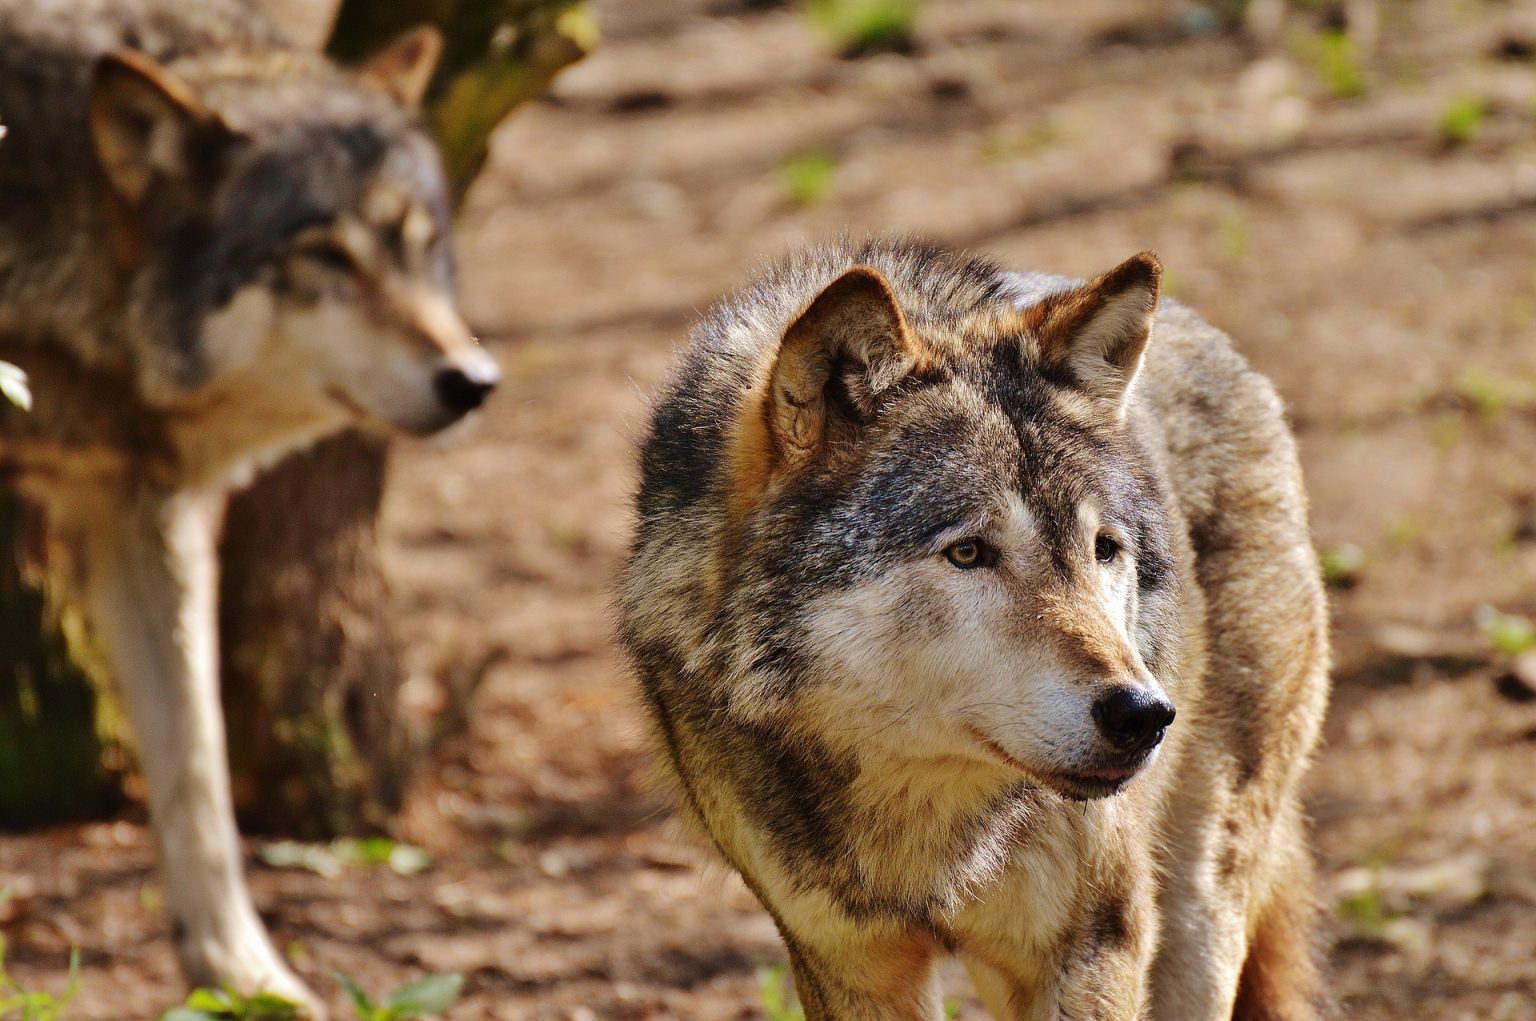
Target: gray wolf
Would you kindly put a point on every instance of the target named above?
(977, 614)
(214, 248)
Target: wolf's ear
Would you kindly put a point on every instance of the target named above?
(1100, 330)
(405, 67)
(844, 351)
(145, 123)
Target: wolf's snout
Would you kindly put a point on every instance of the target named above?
(1133, 719)
(463, 390)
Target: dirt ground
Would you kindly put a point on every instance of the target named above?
(1384, 278)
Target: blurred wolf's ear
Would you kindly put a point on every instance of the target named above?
(146, 123)
(847, 348)
(1099, 331)
(405, 67)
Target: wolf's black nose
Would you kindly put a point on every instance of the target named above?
(460, 391)
(1133, 719)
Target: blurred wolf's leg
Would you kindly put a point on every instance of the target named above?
(148, 576)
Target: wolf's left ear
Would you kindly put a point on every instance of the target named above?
(405, 67)
(146, 123)
(1100, 330)
(836, 360)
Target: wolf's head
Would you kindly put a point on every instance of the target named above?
(281, 228)
(945, 537)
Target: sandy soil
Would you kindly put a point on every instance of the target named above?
(1386, 281)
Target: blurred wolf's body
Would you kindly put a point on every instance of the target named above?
(928, 556)
(213, 248)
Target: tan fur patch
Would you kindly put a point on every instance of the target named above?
(753, 453)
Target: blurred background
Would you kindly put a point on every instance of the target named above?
(1348, 188)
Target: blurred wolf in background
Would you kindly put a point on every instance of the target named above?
(214, 247)
(929, 557)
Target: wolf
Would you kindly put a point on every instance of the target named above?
(976, 614)
(215, 247)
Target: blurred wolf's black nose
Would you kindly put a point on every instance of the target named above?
(461, 392)
(1133, 719)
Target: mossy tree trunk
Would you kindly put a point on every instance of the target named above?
(311, 665)
(52, 761)
(496, 55)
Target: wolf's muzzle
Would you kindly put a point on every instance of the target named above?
(1133, 719)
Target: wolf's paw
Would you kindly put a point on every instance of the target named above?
(287, 985)
(247, 965)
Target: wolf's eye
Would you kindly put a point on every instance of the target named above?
(330, 255)
(1105, 549)
(966, 553)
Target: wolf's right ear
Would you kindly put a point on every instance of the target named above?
(146, 123)
(850, 346)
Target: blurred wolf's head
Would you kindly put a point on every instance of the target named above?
(937, 533)
(282, 226)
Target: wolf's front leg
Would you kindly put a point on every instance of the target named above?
(149, 585)
(857, 988)
(1105, 984)
(1038, 953)
(846, 970)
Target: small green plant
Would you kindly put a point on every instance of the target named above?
(1461, 120)
(1509, 634)
(1336, 61)
(1234, 236)
(331, 859)
(1171, 283)
(228, 1005)
(1404, 531)
(1342, 565)
(428, 997)
(808, 177)
(13, 386)
(1366, 910)
(1487, 395)
(1446, 431)
(1013, 143)
(860, 27)
(16, 1004)
(778, 995)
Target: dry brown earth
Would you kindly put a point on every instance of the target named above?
(1386, 282)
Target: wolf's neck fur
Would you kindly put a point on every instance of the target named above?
(937, 832)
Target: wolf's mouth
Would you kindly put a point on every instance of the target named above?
(1092, 785)
(996, 750)
(1087, 785)
(363, 417)
(347, 404)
